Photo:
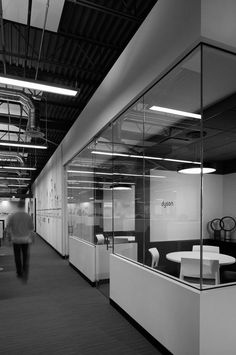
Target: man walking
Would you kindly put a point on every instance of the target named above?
(20, 232)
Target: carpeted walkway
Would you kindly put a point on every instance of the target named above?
(58, 312)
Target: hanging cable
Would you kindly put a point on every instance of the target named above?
(3, 39)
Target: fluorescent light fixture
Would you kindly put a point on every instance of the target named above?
(22, 145)
(144, 157)
(16, 167)
(175, 112)
(37, 85)
(197, 170)
(87, 188)
(88, 182)
(117, 174)
(88, 172)
(15, 185)
(13, 178)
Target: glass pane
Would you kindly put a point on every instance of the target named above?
(219, 152)
(80, 191)
(127, 189)
(172, 162)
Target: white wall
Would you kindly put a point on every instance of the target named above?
(218, 24)
(175, 205)
(229, 200)
(120, 206)
(48, 191)
(166, 309)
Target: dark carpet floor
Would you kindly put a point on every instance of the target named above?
(58, 312)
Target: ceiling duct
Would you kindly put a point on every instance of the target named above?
(26, 102)
(11, 155)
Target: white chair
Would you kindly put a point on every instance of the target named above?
(190, 268)
(100, 238)
(155, 257)
(207, 248)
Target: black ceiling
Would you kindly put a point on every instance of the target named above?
(90, 38)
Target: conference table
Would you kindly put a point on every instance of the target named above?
(222, 258)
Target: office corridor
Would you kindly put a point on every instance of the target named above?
(58, 312)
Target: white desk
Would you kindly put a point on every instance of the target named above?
(223, 258)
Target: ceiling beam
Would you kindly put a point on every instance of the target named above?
(107, 10)
(45, 75)
(44, 61)
(74, 37)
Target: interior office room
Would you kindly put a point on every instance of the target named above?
(131, 183)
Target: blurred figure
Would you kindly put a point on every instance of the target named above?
(20, 231)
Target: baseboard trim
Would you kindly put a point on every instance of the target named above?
(93, 284)
(62, 256)
(147, 335)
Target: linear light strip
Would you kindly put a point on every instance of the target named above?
(97, 182)
(17, 168)
(22, 145)
(13, 178)
(175, 112)
(34, 85)
(116, 174)
(88, 188)
(144, 157)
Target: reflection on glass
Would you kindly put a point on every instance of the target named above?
(151, 184)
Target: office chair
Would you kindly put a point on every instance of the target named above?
(190, 268)
(100, 238)
(207, 248)
(155, 257)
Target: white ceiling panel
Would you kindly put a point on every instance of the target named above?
(15, 10)
(53, 17)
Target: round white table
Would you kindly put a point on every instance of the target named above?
(223, 258)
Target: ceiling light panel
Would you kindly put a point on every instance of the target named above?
(37, 85)
(175, 112)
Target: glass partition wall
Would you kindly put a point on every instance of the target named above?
(157, 185)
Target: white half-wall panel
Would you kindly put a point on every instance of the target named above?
(82, 256)
(217, 321)
(166, 309)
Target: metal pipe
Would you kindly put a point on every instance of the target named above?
(12, 155)
(41, 43)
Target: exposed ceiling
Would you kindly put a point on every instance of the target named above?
(81, 41)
